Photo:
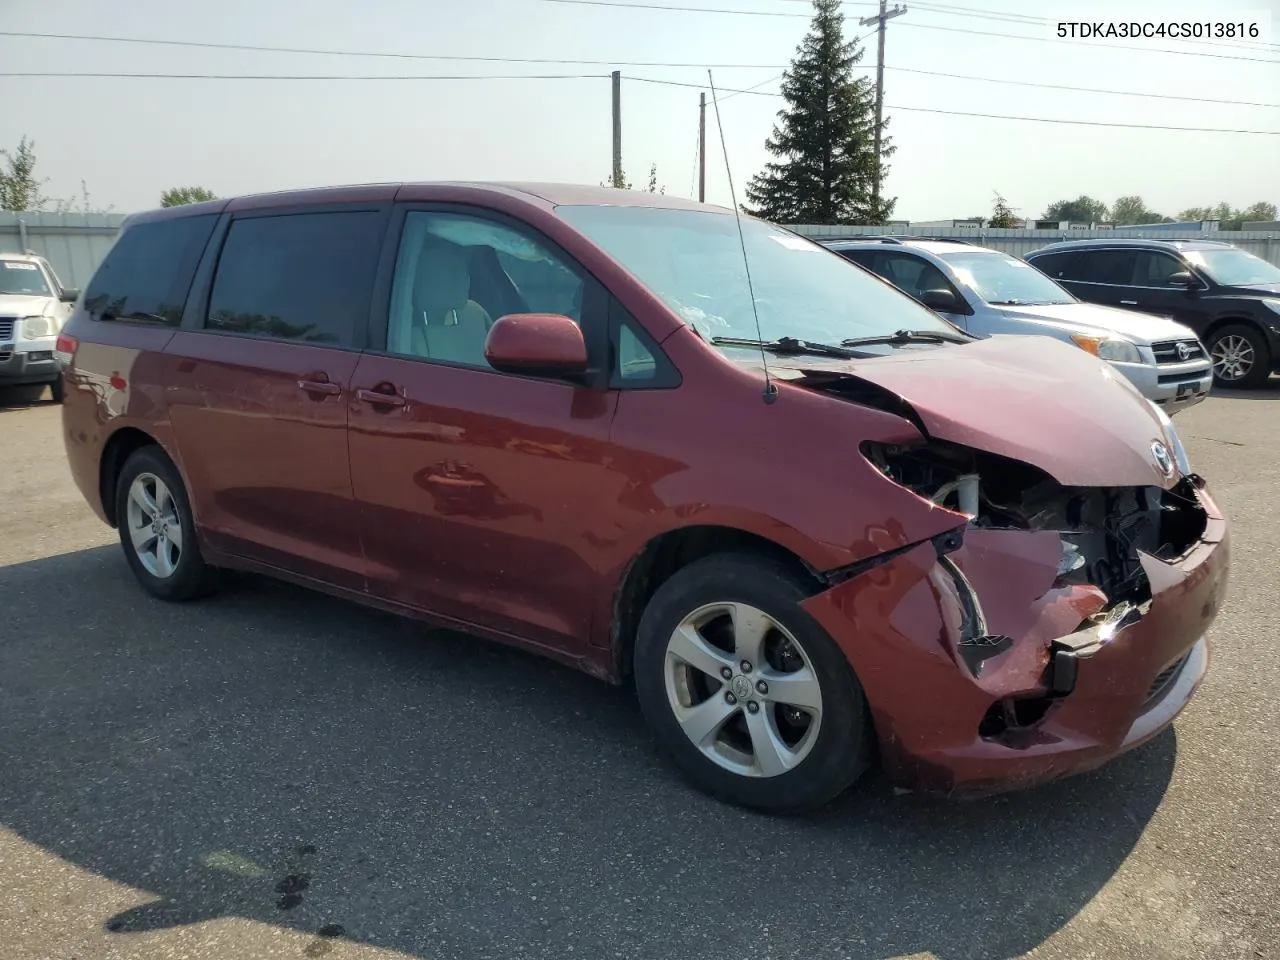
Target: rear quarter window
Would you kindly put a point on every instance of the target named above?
(147, 274)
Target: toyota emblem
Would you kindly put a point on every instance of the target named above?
(1184, 351)
(1164, 462)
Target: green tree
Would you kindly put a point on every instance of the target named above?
(1003, 216)
(1229, 218)
(1083, 209)
(825, 136)
(177, 196)
(19, 187)
(622, 183)
(1129, 210)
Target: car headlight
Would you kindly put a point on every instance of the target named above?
(1171, 437)
(1272, 305)
(35, 327)
(1109, 348)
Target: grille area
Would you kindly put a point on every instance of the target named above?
(6, 327)
(1167, 351)
(1164, 680)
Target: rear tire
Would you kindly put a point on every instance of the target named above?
(55, 390)
(157, 531)
(752, 699)
(1241, 358)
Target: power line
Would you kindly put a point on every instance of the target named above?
(295, 76)
(936, 9)
(394, 56)
(730, 93)
(990, 116)
(1085, 43)
(1057, 86)
(681, 9)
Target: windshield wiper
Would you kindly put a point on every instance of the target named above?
(1026, 303)
(911, 336)
(788, 345)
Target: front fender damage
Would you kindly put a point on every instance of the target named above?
(972, 645)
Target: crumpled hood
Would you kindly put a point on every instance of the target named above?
(1032, 399)
(1143, 328)
(15, 305)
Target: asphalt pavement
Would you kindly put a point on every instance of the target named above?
(274, 773)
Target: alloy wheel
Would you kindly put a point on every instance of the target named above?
(1233, 358)
(155, 529)
(743, 690)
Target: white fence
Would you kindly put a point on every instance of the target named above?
(1264, 244)
(74, 243)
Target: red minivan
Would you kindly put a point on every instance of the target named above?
(816, 525)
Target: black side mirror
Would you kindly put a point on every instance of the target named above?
(941, 299)
(1182, 278)
(69, 295)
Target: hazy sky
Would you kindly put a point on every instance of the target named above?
(129, 138)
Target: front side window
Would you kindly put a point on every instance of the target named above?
(456, 274)
(146, 275)
(693, 261)
(23, 278)
(1153, 269)
(300, 276)
(1001, 279)
(1232, 267)
(911, 274)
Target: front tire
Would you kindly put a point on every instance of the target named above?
(1240, 356)
(748, 694)
(157, 530)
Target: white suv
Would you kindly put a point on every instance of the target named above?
(33, 307)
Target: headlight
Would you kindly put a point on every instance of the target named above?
(1272, 305)
(1109, 348)
(35, 327)
(1175, 442)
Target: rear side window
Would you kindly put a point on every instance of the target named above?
(1060, 266)
(146, 275)
(301, 276)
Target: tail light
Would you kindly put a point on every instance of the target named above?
(65, 349)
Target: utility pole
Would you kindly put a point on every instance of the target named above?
(702, 148)
(881, 19)
(617, 128)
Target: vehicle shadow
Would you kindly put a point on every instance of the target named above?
(281, 756)
(1268, 391)
(20, 398)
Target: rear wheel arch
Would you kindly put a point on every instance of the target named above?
(117, 450)
(673, 550)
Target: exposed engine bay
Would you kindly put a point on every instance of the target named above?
(1102, 528)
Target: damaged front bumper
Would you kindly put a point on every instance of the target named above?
(986, 672)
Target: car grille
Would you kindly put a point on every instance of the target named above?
(1167, 351)
(6, 327)
(1164, 680)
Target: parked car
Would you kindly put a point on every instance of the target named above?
(1230, 298)
(814, 525)
(33, 308)
(987, 292)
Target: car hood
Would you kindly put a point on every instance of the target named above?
(1253, 290)
(22, 305)
(1142, 328)
(1032, 399)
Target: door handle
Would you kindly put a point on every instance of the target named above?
(378, 398)
(1130, 303)
(323, 387)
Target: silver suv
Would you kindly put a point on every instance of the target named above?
(33, 308)
(988, 292)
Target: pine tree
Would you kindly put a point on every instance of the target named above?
(824, 137)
